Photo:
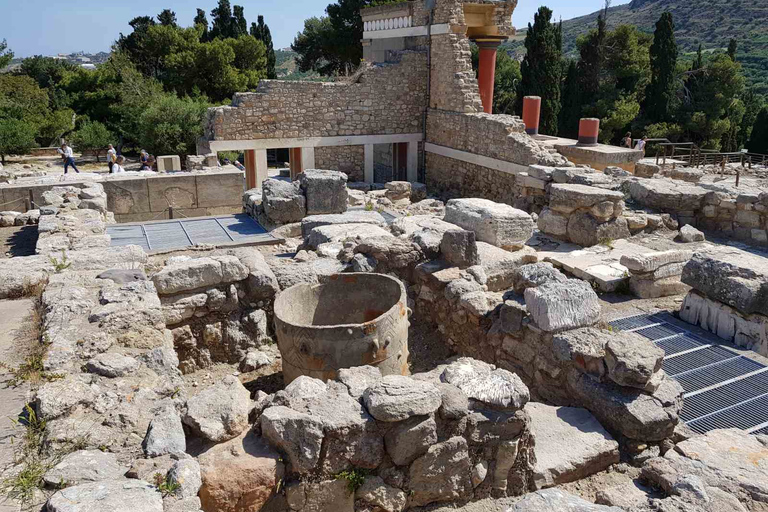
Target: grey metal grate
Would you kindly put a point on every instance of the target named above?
(743, 416)
(633, 322)
(727, 395)
(680, 343)
(693, 361)
(723, 389)
(727, 370)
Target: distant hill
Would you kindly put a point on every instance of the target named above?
(710, 22)
(287, 69)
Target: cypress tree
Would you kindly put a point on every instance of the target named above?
(541, 69)
(202, 20)
(758, 141)
(221, 18)
(571, 111)
(261, 32)
(239, 25)
(591, 62)
(732, 47)
(660, 94)
(167, 18)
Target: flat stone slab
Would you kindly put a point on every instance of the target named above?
(731, 276)
(650, 261)
(571, 197)
(340, 232)
(350, 217)
(494, 223)
(600, 264)
(570, 444)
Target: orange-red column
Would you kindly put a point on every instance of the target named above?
(250, 169)
(486, 73)
(531, 114)
(589, 129)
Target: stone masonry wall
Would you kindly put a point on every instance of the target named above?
(347, 159)
(382, 99)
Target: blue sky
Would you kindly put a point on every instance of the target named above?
(49, 27)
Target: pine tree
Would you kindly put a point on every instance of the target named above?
(758, 142)
(167, 18)
(571, 111)
(660, 95)
(542, 69)
(202, 20)
(261, 32)
(221, 18)
(239, 25)
(732, 47)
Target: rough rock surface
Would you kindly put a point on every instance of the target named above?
(493, 387)
(731, 276)
(84, 466)
(494, 223)
(397, 398)
(283, 202)
(220, 412)
(690, 234)
(199, 273)
(351, 217)
(570, 444)
(111, 495)
(165, 433)
(555, 500)
(326, 191)
(632, 360)
(560, 306)
(442, 474)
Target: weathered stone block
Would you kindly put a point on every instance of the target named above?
(326, 191)
(495, 223)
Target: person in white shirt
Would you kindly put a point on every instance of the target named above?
(640, 146)
(69, 158)
(111, 157)
(118, 165)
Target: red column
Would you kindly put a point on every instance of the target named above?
(250, 169)
(531, 114)
(486, 74)
(589, 128)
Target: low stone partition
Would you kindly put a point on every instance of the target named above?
(729, 296)
(657, 274)
(141, 198)
(733, 213)
(584, 215)
(216, 306)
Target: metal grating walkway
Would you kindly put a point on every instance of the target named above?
(164, 235)
(723, 389)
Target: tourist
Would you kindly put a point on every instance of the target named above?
(144, 159)
(239, 165)
(627, 141)
(111, 157)
(117, 167)
(150, 163)
(640, 146)
(69, 158)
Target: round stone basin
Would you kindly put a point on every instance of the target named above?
(352, 320)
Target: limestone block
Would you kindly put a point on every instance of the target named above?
(500, 266)
(459, 248)
(730, 276)
(168, 163)
(353, 217)
(653, 289)
(585, 230)
(570, 444)
(690, 234)
(325, 191)
(494, 223)
(217, 189)
(559, 306)
(341, 232)
(552, 500)
(652, 261)
(568, 197)
(283, 202)
(551, 223)
(117, 495)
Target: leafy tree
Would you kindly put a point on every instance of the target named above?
(167, 18)
(46, 71)
(591, 49)
(55, 126)
(6, 56)
(93, 136)
(16, 137)
(222, 19)
(758, 140)
(753, 104)
(568, 125)
(136, 47)
(732, 47)
(507, 77)
(21, 98)
(541, 69)
(315, 47)
(201, 21)
(239, 25)
(170, 125)
(261, 32)
(660, 95)
(250, 58)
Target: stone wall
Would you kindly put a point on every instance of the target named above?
(348, 159)
(379, 99)
(739, 214)
(141, 198)
(453, 82)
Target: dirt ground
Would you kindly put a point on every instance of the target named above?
(18, 241)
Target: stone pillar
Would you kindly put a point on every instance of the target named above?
(486, 74)
(307, 158)
(368, 168)
(531, 114)
(589, 128)
(413, 162)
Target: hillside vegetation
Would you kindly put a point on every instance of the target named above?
(711, 23)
